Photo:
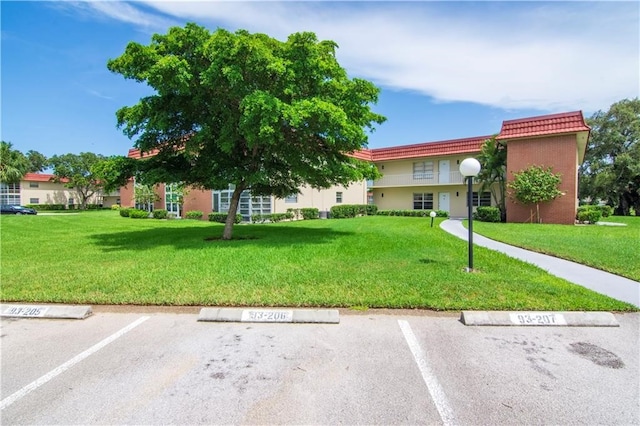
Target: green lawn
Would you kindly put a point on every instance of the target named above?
(613, 249)
(395, 262)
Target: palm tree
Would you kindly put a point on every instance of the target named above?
(13, 164)
(493, 174)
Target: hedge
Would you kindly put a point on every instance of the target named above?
(222, 217)
(605, 211)
(43, 207)
(589, 214)
(309, 213)
(487, 214)
(194, 214)
(412, 213)
(272, 217)
(343, 211)
(160, 214)
(138, 214)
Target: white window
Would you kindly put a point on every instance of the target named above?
(338, 197)
(33, 185)
(34, 200)
(293, 198)
(10, 194)
(423, 201)
(423, 170)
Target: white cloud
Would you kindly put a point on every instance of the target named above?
(546, 56)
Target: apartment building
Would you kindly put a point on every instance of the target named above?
(423, 176)
(39, 188)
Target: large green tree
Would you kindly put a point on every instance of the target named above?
(14, 164)
(493, 172)
(246, 109)
(77, 172)
(535, 185)
(611, 168)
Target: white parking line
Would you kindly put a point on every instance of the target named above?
(435, 390)
(53, 373)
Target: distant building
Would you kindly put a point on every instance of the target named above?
(39, 188)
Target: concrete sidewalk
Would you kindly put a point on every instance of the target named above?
(614, 286)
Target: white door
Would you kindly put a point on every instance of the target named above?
(443, 171)
(443, 201)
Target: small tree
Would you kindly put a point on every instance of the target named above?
(145, 195)
(535, 185)
(76, 171)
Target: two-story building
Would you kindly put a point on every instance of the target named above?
(39, 188)
(421, 176)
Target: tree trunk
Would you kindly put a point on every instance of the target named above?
(538, 213)
(231, 216)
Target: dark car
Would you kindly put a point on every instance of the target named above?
(17, 210)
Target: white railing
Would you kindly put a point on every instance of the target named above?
(424, 179)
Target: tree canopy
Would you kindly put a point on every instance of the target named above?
(246, 109)
(611, 168)
(76, 172)
(14, 164)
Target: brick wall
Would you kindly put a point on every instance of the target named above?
(559, 152)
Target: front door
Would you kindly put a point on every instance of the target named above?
(443, 171)
(443, 201)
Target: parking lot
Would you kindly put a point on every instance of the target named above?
(404, 367)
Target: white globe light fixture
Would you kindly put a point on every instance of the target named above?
(432, 214)
(469, 168)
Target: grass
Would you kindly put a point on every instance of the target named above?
(368, 262)
(614, 249)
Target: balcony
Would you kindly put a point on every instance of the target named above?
(426, 179)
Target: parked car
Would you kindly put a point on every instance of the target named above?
(6, 209)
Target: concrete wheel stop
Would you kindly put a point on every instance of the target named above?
(539, 318)
(45, 311)
(269, 315)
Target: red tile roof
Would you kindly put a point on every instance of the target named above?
(39, 177)
(429, 149)
(136, 153)
(568, 122)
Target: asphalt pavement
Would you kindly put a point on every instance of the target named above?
(406, 368)
(614, 286)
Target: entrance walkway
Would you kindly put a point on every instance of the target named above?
(614, 286)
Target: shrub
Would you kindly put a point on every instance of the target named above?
(194, 214)
(138, 214)
(487, 214)
(605, 211)
(43, 207)
(272, 217)
(115, 207)
(222, 217)
(124, 211)
(309, 213)
(93, 206)
(160, 214)
(412, 213)
(588, 215)
(343, 211)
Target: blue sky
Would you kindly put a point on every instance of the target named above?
(446, 69)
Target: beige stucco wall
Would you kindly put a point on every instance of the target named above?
(49, 193)
(402, 198)
(324, 199)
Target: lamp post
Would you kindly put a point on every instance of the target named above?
(469, 168)
(432, 214)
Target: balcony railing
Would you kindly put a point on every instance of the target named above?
(424, 179)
